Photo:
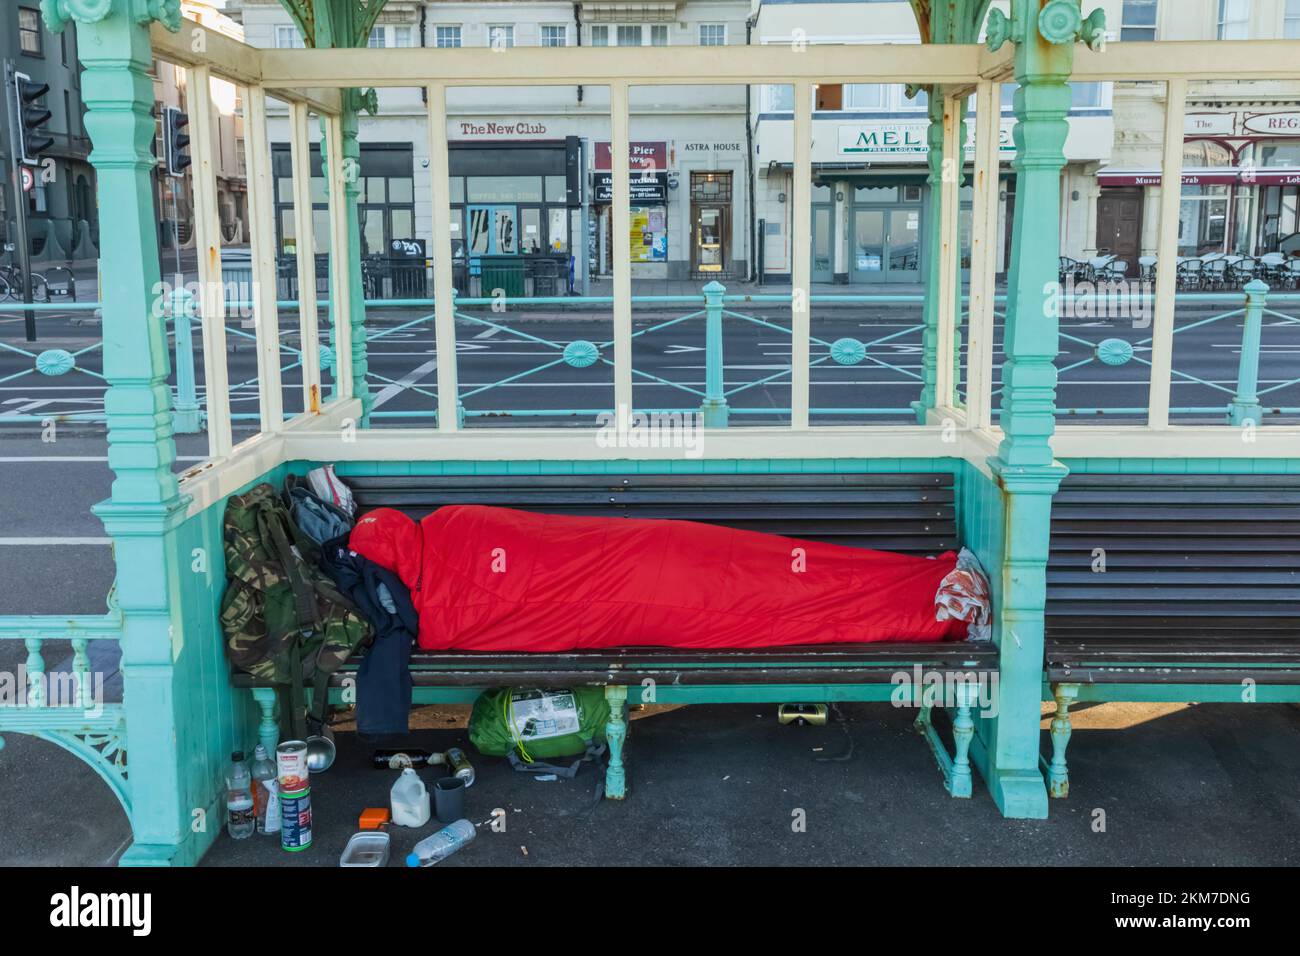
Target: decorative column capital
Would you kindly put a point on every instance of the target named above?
(1058, 22)
(59, 13)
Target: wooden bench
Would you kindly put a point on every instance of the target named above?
(913, 513)
(1171, 587)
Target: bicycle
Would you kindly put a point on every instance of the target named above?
(11, 286)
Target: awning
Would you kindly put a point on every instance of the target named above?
(1216, 176)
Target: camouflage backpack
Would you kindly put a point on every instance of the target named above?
(283, 619)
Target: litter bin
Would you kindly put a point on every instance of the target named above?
(502, 272)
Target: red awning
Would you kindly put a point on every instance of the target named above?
(1151, 177)
(1223, 176)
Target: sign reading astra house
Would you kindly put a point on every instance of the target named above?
(904, 140)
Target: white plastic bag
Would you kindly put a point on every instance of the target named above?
(963, 595)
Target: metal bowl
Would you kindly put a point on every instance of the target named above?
(321, 751)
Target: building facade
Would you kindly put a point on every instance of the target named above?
(62, 220)
(1241, 154)
(530, 166)
(174, 195)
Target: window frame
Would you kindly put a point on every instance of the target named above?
(1243, 21)
(36, 31)
(437, 38)
(647, 36)
(1148, 31)
(509, 29)
(710, 26)
(542, 38)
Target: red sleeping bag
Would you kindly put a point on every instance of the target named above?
(495, 579)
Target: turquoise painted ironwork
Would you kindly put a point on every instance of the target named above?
(1245, 406)
(713, 410)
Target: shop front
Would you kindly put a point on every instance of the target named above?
(1240, 189)
(514, 207)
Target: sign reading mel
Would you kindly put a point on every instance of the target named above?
(903, 139)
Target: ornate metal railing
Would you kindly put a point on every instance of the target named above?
(714, 323)
(65, 702)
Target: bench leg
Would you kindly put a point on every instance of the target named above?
(615, 735)
(268, 728)
(1058, 774)
(957, 778)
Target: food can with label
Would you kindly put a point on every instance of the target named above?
(295, 820)
(291, 766)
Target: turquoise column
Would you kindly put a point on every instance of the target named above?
(345, 23)
(146, 505)
(352, 189)
(1245, 406)
(1025, 468)
(713, 410)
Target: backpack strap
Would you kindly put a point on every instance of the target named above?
(594, 752)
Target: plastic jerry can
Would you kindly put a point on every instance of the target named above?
(410, 800)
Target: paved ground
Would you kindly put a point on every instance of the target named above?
(1186, 785)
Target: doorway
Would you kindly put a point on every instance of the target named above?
(886, 244)
(710, 223)
(1119, 223)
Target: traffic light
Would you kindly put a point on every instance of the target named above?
(32, 140)
(175, 141)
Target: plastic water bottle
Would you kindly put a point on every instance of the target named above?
(265, 792)
(241, 815)
(436, 848)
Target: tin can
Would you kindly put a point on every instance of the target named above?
(291, 766)
(814, 714)
(295, 820)
(460, 765)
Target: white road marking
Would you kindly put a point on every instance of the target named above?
(410, 378)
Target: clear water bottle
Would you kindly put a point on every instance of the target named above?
(265, 792)
(434, 849)
(241, 815)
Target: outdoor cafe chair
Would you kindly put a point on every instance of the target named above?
(1114, 271)
(1214, 273)
(1147, 268)
(1190, 275)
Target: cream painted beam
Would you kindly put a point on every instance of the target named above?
(620, 176)
(444, 303)
(953, 156)
(207, 241)
(1189, 60)
(305, 252)
(801, 256)
(266, 316)
(1171, 193)
(652, 66)
(340, 273)
(196, 45)
(1175, 442)
(574, 444)
(984, 256)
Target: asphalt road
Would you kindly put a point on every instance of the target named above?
(511, 363)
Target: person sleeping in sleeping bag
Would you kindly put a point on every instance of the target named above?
(496, 579)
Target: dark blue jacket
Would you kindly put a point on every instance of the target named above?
(384, 677)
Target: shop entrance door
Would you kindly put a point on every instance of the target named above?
(886, 244)
(709, 240)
